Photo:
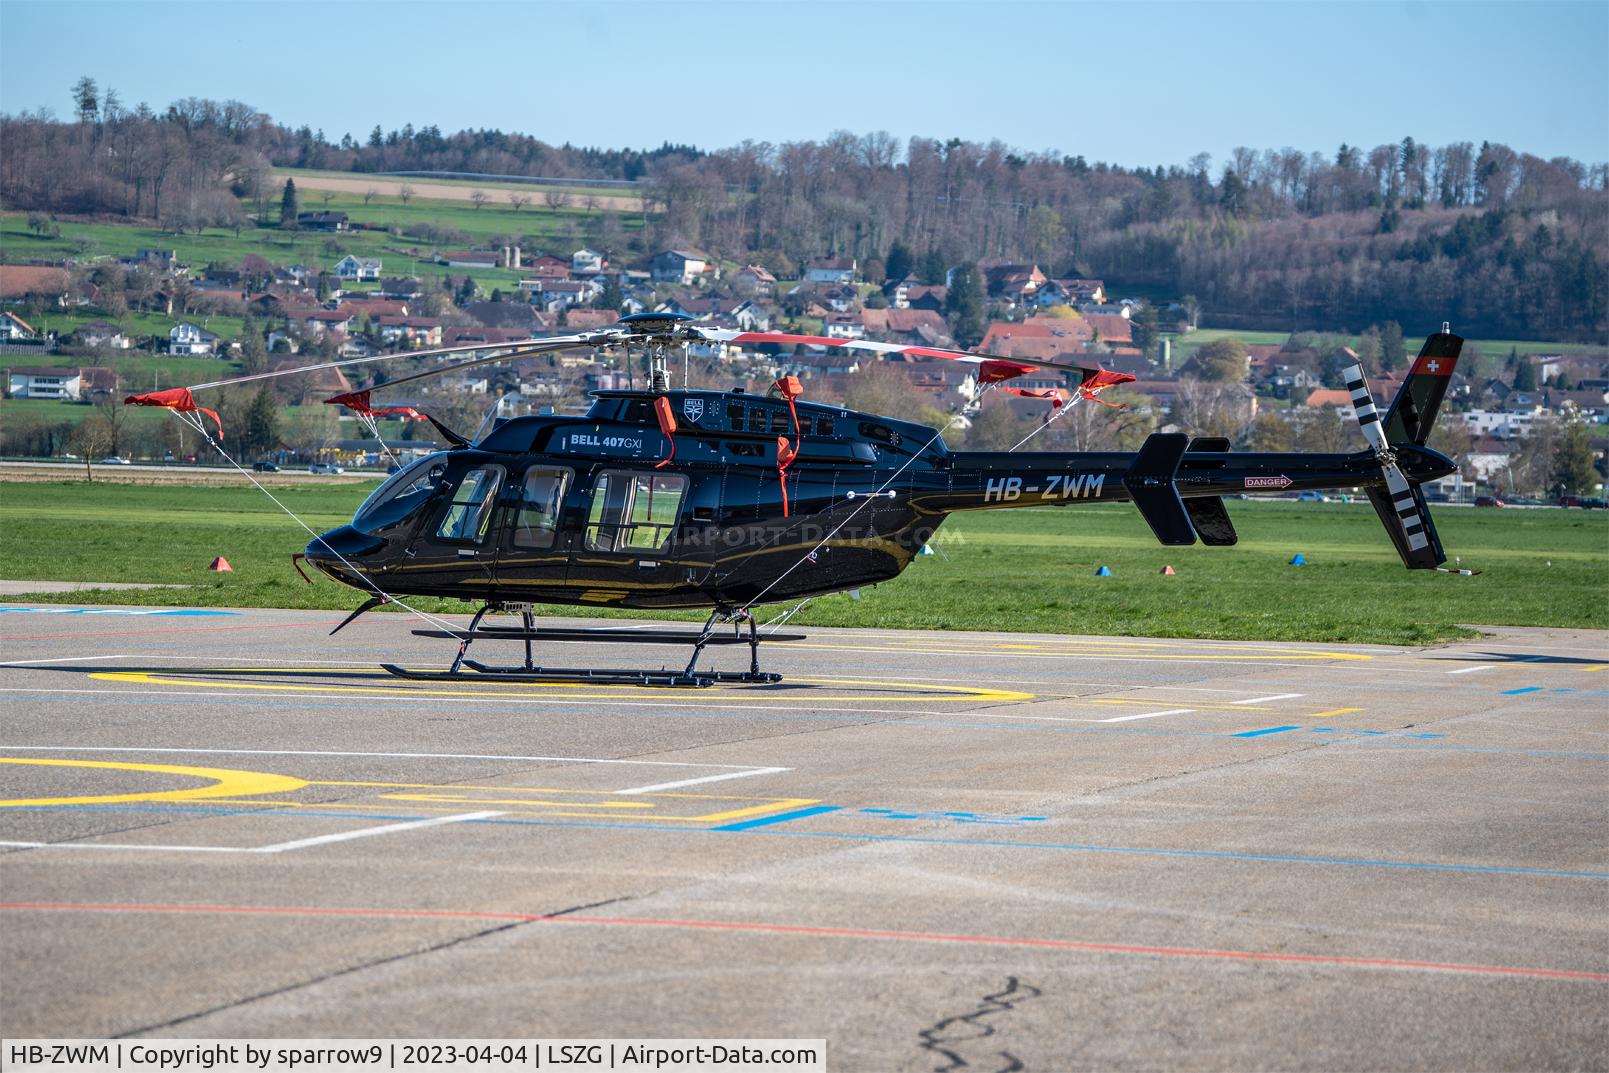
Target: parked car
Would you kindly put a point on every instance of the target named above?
(114, 460)
(1313, 497)
(1489, 501)
(1580, 501)
(1595, 504)
(325, 467)
(265, 467)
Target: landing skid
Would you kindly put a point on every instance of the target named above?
(483, 673)
(465, 669)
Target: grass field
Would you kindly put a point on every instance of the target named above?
(1024, 570)
(578, 188)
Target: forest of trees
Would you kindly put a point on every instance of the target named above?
(1499, 241)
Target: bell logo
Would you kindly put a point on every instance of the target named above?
(693, 409)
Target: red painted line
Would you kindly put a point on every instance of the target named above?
(185, 629)
(843, 933)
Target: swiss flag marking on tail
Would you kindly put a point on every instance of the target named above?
(1432, 366)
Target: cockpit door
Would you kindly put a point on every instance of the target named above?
(457, 545)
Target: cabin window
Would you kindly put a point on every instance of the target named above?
(635, 512)
(536, 517)
(471, 509)
(880, 433)
(405, 493)
(759, 419)
(823, 426)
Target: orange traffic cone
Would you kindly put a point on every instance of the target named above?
(221, 565)
(1169, 571)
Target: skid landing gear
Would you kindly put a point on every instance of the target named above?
(466, 669)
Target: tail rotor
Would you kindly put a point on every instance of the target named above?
(1409, 517)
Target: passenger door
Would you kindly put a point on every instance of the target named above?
(629, 536)
(534, 558)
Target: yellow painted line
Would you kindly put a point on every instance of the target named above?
(540, 790)
(1208, 654)
(1192, 703)
(435, 792)
(923, 693)
(225, 783)
(1599, 667)
(463, 800)
(547, 813)
(1334, 711)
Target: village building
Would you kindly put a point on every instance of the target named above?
(44, 383)
(358, 268)
(189, 339)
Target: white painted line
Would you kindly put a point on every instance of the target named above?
(1146, 715)
(1029, 718)
(118, 845)
(707, 778)
(745, 768)
(1276, 696)
(1472, 670)
(367, 832)
(278, 847)
(62, 659)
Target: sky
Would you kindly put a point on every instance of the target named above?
(1131, 83)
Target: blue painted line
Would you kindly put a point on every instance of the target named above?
(109, 611)
(1517, 692)
(1260, 733)
(1080, 847)
(783, 817)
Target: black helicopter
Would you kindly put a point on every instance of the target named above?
(723, 500)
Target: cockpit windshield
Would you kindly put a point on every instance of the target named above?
(403, 494)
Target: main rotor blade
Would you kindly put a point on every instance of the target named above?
(467, 348)
(540, 346)
(994, 368)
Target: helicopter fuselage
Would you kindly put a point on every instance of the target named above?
(607, 509)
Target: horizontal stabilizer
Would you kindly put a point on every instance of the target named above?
(1150, 484)
(1211, 519)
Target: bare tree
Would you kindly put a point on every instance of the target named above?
(592, 202)
(326, 195)
(1213, 408)
(518, 200)
(405, 193)
(479, 197)
(555, 199)
(370, 194)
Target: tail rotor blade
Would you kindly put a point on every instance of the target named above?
(1363, 406)
(1406, 507)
